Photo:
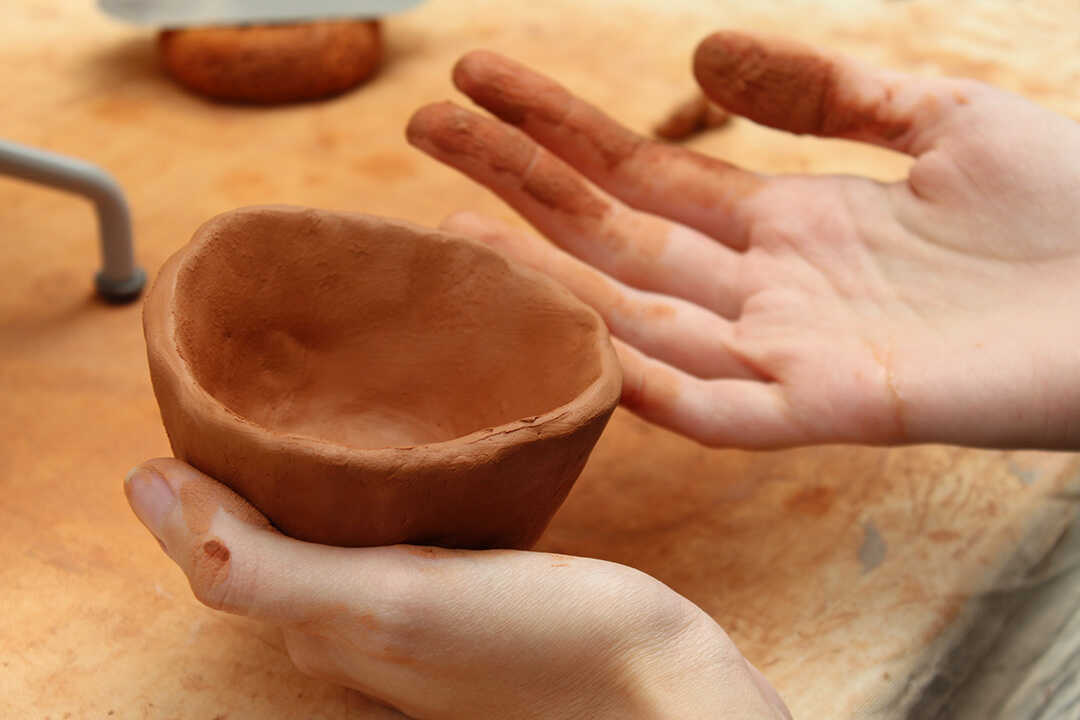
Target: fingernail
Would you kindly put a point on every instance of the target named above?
(151, 498)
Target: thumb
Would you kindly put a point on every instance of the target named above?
(233, 558)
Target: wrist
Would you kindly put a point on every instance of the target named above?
(683, 673)
(691, 669)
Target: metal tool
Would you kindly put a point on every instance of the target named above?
(182, 13)
(119, 280)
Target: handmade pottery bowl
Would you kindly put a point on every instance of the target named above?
(365, 381)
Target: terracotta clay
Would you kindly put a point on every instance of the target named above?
(272, 63)
(365, 381)
(691, 117)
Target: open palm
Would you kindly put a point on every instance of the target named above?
(772, 311)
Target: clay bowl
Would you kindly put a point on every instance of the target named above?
(365, 381)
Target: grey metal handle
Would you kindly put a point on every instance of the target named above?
(119, 279)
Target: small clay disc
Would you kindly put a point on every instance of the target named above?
(690, 118)
(272, 63)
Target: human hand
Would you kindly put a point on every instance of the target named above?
(762, 311)
(455, 634)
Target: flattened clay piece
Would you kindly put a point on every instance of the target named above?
(272, 63)
(690, 118)
(365, 381)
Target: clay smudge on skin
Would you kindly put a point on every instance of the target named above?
(509, 90)
(200, 505)
(657, 311)
(558, 188)
(517, 95)
(216, 553)
(210, 564)
(421, 551)
(787, 85)
(367, 621)
(481, 142)
(201, 501)
(612, 141)
(644, 236)
(577, 129)
(708, 183)
(453, 131)
(431, 552)
(332, 617)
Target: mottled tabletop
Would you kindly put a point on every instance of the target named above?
(921, 582)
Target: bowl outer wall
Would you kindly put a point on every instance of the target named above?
(492, 488)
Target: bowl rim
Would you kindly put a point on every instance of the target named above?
(598, 398)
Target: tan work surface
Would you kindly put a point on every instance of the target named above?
(850, 576)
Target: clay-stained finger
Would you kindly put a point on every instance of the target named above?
(639, 249)
(794, 87)
(721, 413)
(670, 181)
(233, 558)
(678, 332)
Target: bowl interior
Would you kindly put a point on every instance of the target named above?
(372, 333)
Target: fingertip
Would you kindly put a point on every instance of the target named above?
(715, 54)
(802, 89)
(151, 496)
(202, 496)
(490, 152)
(216, 537)
(509, 90)
(472, 68)
(428, 120)
(167, 466)
(708, 42)
(776, 82)
(177, 473)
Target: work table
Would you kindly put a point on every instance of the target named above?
(864, 582)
